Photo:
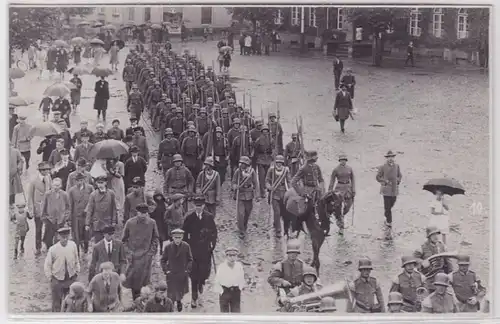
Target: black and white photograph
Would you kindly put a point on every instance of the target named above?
(257, 160)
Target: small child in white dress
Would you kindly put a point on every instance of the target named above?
(439, 215)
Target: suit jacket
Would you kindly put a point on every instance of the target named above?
(134, 169)
(82, 152)
(63, 173)
(389, 178)
(338, 66)
(100, 255)
(35, 195)
(142, 144)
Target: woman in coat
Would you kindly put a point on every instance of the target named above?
(159, 216)
(77, 54)
(61, 61)
(343, 106)
(51, 60)
(116, 171)
(101, 97)
(113, 56)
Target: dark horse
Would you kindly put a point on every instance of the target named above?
(317, 227)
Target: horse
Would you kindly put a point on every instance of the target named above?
(336, 203)
(302, 210)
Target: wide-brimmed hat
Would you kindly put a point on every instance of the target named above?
(134, 149)
(390, 154)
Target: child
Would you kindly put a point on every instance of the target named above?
(439, 214)
(45, 106)
(140, 302)
(22, 227)
(75, 301)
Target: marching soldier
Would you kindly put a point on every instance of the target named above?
(240, 147)
(154, 97)
(276, 133)
(238, 113)
(467, 286)
(395, 302)
(263, 152)
(166, 151)
(288, 273)
(437, 265)
(293, 154)
(277, 183)
(184, 134)
(192, 152)
(225, 121)
(135, 102)
(233, 132)
(245, 185)
(221, 153)
(342, 181)
(364, 290)
(256, 131)
(247, 119)
(128, 75)
(204, 122)
(311, 176)
(410, 284)
(177, 123)
(442, 300)
(178, 179)
(195, 112)
(208, 185)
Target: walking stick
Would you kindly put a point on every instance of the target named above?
(352, 220)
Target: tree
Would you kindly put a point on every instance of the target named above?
(264, 15)
(378, 21)
(73, 11)
(479, 22)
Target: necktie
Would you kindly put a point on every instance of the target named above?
(109, 250)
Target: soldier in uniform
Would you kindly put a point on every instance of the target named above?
(277, 182)
(442, 300)
(410, 284)
(263, 152)
(225, 121)
(208, 185)
(309, 284)
(128, 75)
(184, 134)
(247, 119)
(238, 113)
(245, 185)
(135, 102)
(276, 133)
(467, 286)
(342, 181)
(178, 179)
(233, 132)
(240, 146)
(204, 123)
(221, 153)
(364, 290)
(192, 151)
(154, 97)
(177, 123)
(166, 150)
(194, 113)
(395, 302)
(288, 273)
(437, 265)
(311, 176)
(293, 154)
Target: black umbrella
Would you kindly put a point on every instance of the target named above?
(119, 43)
(447, 186)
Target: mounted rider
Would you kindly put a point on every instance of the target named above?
(311, 176)
(342, 182)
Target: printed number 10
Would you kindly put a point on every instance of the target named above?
(476, 208)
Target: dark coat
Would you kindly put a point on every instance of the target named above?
(176, 263)
(159, 216)
(101, 95)
(134, 169)
(46, 147)
(343, 105)
(100, 255)
(338, 66)
(64, 172)
(201, 235)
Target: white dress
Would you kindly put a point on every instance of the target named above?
(41, 58)
(441, 221)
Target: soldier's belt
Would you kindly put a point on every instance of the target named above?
(344, 182)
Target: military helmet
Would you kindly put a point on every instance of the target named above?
(218, 129)
(236, 121)
(190, 123)
(327, 304)
(311, 155)
(178, 158)
(407, 259)
(365, 264)
(225, 111)
(178, 110)
(210, 99)
(432, 230)
(441, 279)
(309, 271)
(463, 260)
(203, 110)
(279, 159)
(272, 114)
(209, 161)
(245, 160)
(395, 298)
(191, 129)
(259, 122)
(187, 100)
(293, 246)
(169, 131)
(342, 157)
(264, 127)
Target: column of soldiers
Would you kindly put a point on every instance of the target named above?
(205, 131)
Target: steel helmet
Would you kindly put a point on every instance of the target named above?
(210, 99)
(463, 260)
(187, 99)
(432, 230)
(169, 131)
(259, 122)
(178, 110)
(293, 246)
(365, 264)
(190, 123)
(209, 161)
(264, 127)
(309, 271)
(218, 129)
(279, 159)
(272, 114)
(178, 158)
(407, 260)
(395, 298)
(196, 106)
(245, 160)
(203, 110)
(441, 279)
(327, 304)
(236, 121)
(191, 129)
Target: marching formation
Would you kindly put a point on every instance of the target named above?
(92, 184)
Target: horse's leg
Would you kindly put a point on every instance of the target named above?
(339, 218)
(317, 238)
(286, 223)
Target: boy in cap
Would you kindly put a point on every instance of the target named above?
(176, 263)
(229, 282)
(21, 220)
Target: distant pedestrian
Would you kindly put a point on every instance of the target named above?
(56, 211)
(266, 43)
(338, 66)
(61, 61)
(439, 214)
(349, 81)
(41, 61)
(21, 220)
(226, 61)
(343, 107)
(101, 98)
(21, 139)
(113, 56)
(16, 165)
(248, 45)
(229, 282)
(409, 54)
(61, 267)
(45, 106)
(389, 176)
(242, 44)
(276, 41)
(76, 93)
(77, 54)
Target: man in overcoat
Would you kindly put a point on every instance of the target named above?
(101, 97)
(343, 107)
(176, 263)
(338, 66)
(101, 210)
(200, 233)
(389, 176)
(140, 236)
(111, 250)
(135, 166)
(79, 196)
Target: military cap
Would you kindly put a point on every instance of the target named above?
(142, 208)
(441, 279)
(196, 106)
(203, 110)
(264, 127)
(99, 125)
(432, 230)
(187, 99)
(177, 158)
(56, 113)
(225, 111)
(309, 271)
(64, 230)
(293, 246)
(191, 129)
(210, 99)
(168, 100)
(272, 114)
(190, 123)
(178, 110)
(407, 259)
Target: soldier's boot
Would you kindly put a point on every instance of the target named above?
(15, 254)
(179, 306)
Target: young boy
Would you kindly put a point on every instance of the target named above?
(45, 106)
(21, 220)
(75, 301)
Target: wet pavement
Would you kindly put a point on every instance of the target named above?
(437, 123)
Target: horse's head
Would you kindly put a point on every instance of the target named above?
(332, 201)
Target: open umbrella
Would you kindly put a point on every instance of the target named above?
(46, 129)
(78, 70)
(109, 27)
(17, 101)
(97, 25)
(225, 49)
(84, 23)
(446, 185)
(16, 73)
(60, 43)
(70, 85)
(57, 90)
(77, 40)
(155, 26)
(119, 43)
(100, 71)
(96, 41)
(108, 149)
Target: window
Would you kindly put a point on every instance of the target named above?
(415, 18)
(278, 20)
(340, 18)
(462, 24)
(206, 15)
(437, 22)
(147, 14)
(102, 9)
(312, 17)
(295, 16)
(131, 13)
